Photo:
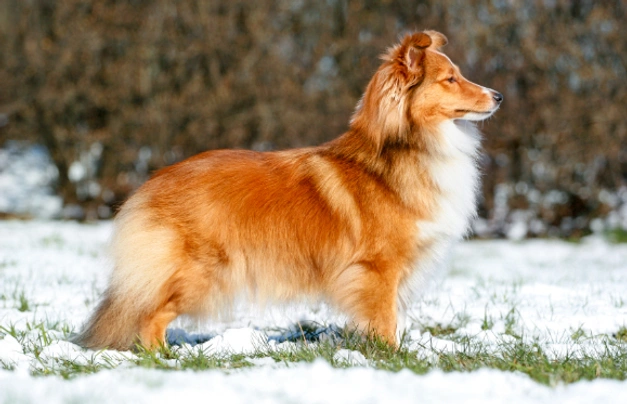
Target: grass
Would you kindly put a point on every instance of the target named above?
(487, 323)
(23, 304)
(621, 334)
(510, 323)
(512, 355)
(617, 235)
(440, 330)
(498, 309)
(53, 241)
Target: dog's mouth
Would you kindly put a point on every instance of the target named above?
(472, 115)
(470, 111)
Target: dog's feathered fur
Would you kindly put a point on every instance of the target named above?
(355, 221)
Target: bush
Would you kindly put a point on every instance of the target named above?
(123, 87)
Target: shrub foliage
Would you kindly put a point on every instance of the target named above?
(123, 87)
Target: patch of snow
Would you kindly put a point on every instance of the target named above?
(316, 382)
(64, 350)
(237, 341)
(350, 357)
(568, 298)
(11, 351)
(27, 177)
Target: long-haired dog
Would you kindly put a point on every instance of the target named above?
(356, 221)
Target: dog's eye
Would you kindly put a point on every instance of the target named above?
(451, 80)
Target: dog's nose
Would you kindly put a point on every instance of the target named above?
(498, 97)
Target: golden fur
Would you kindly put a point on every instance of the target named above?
(354, 221)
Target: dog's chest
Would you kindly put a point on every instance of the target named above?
(455, 176)
(456, 180)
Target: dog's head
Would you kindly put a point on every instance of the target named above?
(417, 85)
(441, 92)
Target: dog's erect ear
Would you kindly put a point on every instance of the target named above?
(414, 58)
(437, 39)
(416, 44)
(421, 40)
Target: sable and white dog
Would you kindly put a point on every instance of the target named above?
(354, 221)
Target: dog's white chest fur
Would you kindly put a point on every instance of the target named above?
(456, 176)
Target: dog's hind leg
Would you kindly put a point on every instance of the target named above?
(152, 328)
(195, 288)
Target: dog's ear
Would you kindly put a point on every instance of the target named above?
(416, 44)
(421, 40)
(438, 40)
(414, 58)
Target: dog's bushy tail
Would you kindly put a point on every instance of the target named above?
(144, 262)
(114, 324)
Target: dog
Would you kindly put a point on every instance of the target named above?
(357, 221)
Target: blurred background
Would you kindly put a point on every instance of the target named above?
(96, 95)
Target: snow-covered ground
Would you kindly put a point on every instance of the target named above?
(569, 298)
(26, 177)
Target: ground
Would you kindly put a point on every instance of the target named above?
(529, 321)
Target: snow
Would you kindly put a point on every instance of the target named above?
(26, 178)
(350, 357)
(11, 350)
(317, 382)
(569, 298)
(236, 340)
